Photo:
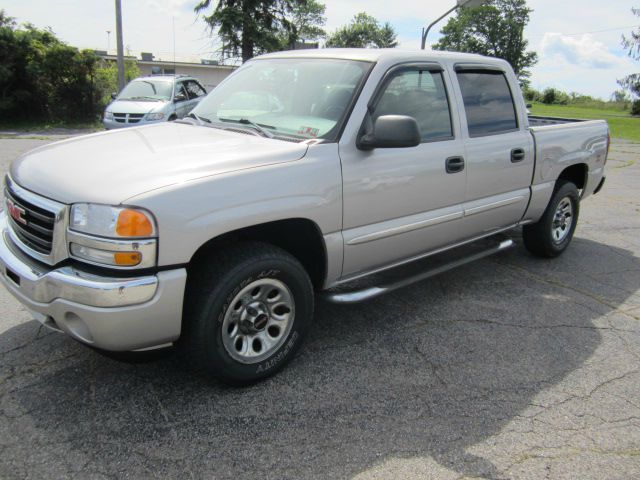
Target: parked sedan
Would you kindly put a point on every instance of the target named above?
(153, 99)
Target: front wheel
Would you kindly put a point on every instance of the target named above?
(551, 235)
(248, 309)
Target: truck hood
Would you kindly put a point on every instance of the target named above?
(110, 167)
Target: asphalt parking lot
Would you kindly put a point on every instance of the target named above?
(512, 367)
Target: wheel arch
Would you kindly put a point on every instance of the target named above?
(300, 237)
(576, 174)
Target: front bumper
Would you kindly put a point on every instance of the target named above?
(119, 314)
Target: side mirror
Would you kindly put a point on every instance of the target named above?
(180, 97)
(528, 105)
(113, 95)
(391, 131)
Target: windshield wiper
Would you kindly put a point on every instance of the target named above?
(200, 119)
(256, 126)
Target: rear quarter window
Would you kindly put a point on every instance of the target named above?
(488, 102)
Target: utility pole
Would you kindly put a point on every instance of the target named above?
(119, 45)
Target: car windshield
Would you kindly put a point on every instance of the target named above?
(147, 90)
(300, 98)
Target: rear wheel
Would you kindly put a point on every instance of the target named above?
(552, 234)
(247, 310)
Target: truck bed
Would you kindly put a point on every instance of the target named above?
(539, 121)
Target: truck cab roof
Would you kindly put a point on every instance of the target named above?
(388, 55)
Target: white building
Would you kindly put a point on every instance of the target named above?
(209, 73)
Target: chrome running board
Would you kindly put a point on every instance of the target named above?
(394, 279)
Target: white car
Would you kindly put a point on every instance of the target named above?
(157, 98)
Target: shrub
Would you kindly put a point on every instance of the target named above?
(635, 107)
(43, 78)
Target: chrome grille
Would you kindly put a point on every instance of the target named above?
(35, 224)
(36, 229)
(128, 117)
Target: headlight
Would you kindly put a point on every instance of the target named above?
(108, 115)
(108, 221)
(155, 116)
(110, 236)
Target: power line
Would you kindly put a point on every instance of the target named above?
(588, 33)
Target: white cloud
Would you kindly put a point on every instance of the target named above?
(582, 50)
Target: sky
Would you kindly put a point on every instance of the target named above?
(578, 41)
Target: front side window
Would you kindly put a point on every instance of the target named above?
(147, 89)
(194, 89)
(180, 90)
(488, 102)
(299, 98)
(420, 94)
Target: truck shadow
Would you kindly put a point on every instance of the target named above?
(426, 373)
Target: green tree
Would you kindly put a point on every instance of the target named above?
(252, 27)
(494, 29)
(42, 78)
(364, 31)
(632, 82)
(308, 18)
(106, 79)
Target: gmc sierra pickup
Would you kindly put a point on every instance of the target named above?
(302, 171)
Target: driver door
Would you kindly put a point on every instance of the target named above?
(402, 202)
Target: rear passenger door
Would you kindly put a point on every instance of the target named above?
(499, 150)
(401, 202)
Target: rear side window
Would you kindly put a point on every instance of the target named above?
(488, 102)
(420, 94)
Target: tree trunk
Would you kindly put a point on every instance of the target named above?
(247, 31)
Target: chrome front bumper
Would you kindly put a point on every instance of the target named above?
(107, 312)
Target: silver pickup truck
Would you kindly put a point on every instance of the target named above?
(303, 171)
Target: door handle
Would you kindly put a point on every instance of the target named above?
(454, 164)
(517, 155)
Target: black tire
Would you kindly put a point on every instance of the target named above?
(539, 237)
(172, 118)
(213, 286)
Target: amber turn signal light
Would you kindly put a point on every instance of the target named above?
(133, 223)
(127, 259)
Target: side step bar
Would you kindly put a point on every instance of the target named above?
(340, 296)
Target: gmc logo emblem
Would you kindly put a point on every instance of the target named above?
(16, 212)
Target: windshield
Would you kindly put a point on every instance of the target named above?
(301, 98)
(147, 90)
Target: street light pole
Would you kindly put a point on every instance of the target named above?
(426, 32)
(459, 3)
(119, 45)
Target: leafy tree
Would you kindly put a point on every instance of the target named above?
(252, 27)
(632, 82)
(494, 29)
(106, 79)
(41, 77)
(308, 18)
(364, 31)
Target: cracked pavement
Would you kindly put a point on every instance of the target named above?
(512, 367)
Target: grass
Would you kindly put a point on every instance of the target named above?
(49, 127)
(622, 124)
